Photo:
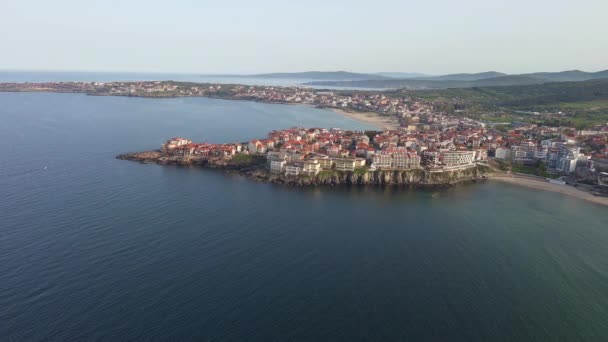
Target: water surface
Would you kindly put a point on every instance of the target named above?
(94, 248)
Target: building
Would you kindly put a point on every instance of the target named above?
(382, 160)
(174, 143)
(407, 160)
(277, 167)
(458, 159)
(431, 158)
(311, 167)
(602, 179)
(481, 154)
(345, 164)
(503, 153)
(293, 169)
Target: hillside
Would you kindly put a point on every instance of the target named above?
(402, 74)
(583, 103)
(431, 84)
(527, 95)
(487, 79)
(567, 76)
(464, 77)
(316, 75)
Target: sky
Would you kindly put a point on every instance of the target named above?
(244, 36)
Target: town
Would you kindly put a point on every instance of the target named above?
(360, 101)
(426, 137)
(433, 142)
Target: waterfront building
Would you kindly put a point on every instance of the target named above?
(458, 159)
(345, 164)
(293, 169)
(407, 160)
(382, 160)
(277, 166)
(431, 158)
(481, 154)
(311, 167)
(174, 143)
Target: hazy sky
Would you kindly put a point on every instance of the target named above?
(431, 36)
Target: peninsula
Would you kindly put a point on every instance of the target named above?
(454, 151)
(554, 131)
(316, 156)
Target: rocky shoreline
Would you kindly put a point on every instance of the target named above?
(257, 171)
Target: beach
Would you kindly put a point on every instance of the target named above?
(562, 189)
(378, 120)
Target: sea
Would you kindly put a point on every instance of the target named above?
(79, 76)
(98, 249)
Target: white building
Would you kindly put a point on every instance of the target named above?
(503, 153)
(345, 164)
(293, 169)
(407, 160)
(458, 159)
(431, 158)
(277, 166)
(382, 160)
(174, 142)
(311, 167)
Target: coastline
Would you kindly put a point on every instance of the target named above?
(375, 119)
(256, 169)
(380, 121)
(562, 189)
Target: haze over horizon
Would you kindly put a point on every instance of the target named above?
(249, 38)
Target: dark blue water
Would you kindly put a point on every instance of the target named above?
(94, 248)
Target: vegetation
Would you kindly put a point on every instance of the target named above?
(326, 174)
(538, 169)
(575, 104)
(243, 159)
(361, 170)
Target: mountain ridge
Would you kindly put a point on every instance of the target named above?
(488, 79)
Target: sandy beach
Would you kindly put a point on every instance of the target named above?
(378, 120)
(562, 189)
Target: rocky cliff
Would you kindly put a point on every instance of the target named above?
(414, 177)
(255, 169)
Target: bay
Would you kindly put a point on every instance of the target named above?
(94, 248)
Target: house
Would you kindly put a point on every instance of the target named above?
(457, 159)
(174, 143)
(293, 169)
(348, 164)
(311, 167)
(277, 166)
(407, 160)
(503, 153)
(382, 160)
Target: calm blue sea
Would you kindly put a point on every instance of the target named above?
(94, 248)
(58, 76)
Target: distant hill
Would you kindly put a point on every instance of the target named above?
(315, 75)
(486, 79)
(431, 83)
(586, 102)
(465, 77)
(508, 80)
(526, 95)
(402, 74)
(567, 76)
